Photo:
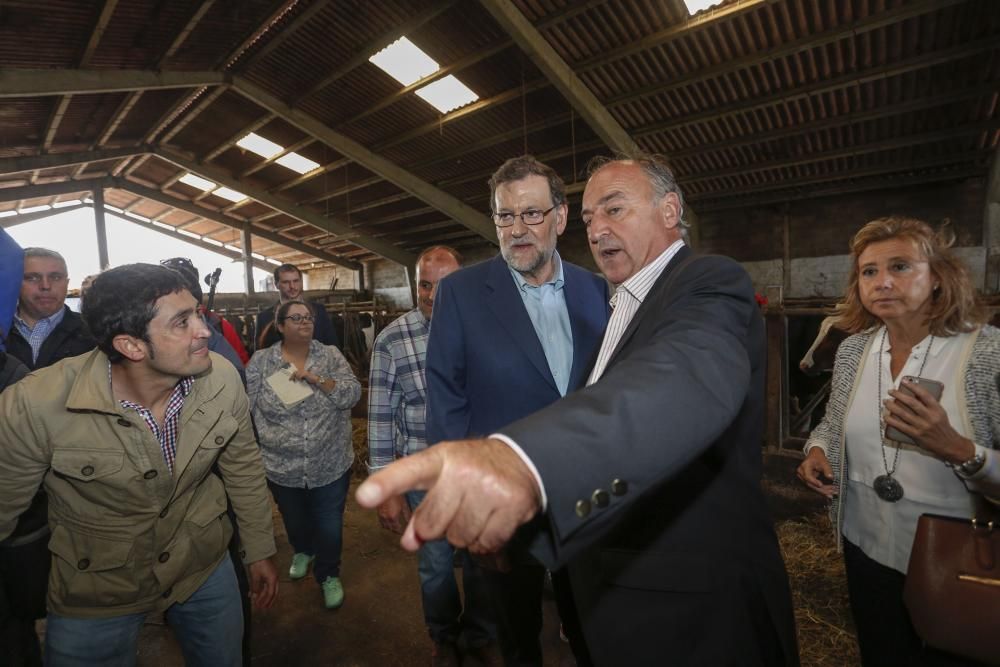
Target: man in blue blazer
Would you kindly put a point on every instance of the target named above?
(511, 336)
(646, 483)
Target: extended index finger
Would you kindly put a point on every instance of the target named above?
(415, 472)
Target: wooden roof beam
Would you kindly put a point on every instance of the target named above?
(198, 242)
(850, 151)
(130, 100)
(365, 52)
(864, 185)
(236, 223)
(286, 31)
(331, 225)
(50, 189)
(8, 221)
(960, 159)
(457, 66)
(811, 41)
(447, 204)
(15, 165)
(18, 82)
(560, 74)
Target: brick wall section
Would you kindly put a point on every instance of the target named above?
(824, 227)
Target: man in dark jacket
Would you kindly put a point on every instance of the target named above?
(45, 330)
(288, 280)
(24, 565)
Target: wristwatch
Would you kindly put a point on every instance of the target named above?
(973, 465)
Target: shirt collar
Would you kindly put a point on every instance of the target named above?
(936, 348)
(556, 281)
(639, 284)
(52, 320)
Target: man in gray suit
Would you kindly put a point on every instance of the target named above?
(647, 479)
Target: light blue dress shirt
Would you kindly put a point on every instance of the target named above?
(37, 334)
(546, 306)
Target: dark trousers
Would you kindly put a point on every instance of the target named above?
(448, 620)
(570, 618)
(516, 597)
(314, 520)
(886, 636)
(24, 573)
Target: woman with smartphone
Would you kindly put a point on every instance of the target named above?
(913, 417)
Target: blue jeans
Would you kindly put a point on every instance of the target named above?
(314, 521)
(208, 626)
(446, 621)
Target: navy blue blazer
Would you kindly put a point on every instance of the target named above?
(485, 364)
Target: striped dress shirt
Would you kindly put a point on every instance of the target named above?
(625, 302)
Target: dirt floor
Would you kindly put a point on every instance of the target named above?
(381, 622)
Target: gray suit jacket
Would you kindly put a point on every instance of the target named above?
(653, 482)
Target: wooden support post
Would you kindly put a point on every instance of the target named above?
(102, 232)
(247, 259)
(776, 396)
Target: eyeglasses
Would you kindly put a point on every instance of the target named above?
(300, 318)
(35, 278)
(177, 262)
(530, 217)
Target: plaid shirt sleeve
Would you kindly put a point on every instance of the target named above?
(384, 395)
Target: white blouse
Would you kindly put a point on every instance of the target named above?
(884, 530)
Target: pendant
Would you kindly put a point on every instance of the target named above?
(888, 489)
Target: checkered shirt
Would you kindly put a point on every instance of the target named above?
(167, 436)
(397, 391)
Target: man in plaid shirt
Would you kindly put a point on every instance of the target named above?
(397, 398)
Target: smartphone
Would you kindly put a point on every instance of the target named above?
(933, 387)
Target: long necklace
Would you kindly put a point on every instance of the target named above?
(886, 486)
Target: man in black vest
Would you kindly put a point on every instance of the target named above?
(45, 329)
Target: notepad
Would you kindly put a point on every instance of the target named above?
(288, 390)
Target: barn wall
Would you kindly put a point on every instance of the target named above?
(824, 227)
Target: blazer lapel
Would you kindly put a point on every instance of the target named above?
(509, 311)
(583, 330)
(681, 255)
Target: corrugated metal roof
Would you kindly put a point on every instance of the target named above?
(751, 100)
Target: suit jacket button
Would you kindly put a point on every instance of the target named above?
(619, 487)
(149, 474)
(601, 498)
(167, 593)
(164, 557)
(582, 508)
(83, 564)
(87, 471)
(219, 440)
(124, 422)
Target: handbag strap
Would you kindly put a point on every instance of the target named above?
(986, 511)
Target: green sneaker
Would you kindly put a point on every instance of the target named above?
(333, 593)
(300, 565)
